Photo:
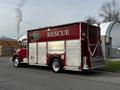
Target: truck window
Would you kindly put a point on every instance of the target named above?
(22, 44)
(92, 34)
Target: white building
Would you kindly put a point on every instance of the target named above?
(110, 35)
(23, 38)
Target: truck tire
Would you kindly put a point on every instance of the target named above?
(56, 66)
(16, 62)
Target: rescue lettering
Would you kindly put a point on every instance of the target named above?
(58, 33)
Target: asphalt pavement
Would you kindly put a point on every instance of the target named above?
(42, 78)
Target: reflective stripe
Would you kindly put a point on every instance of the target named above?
(92, 53)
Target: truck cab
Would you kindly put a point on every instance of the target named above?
(20, 55)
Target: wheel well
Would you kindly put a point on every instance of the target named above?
(14, 57)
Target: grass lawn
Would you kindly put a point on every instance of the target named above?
(112, 66)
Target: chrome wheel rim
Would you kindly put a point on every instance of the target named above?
(56, 66)
(16, 62)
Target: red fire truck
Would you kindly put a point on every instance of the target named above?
(74, 46)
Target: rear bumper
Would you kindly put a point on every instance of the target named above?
(97, 62)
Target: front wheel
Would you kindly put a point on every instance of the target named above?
(56, 66)
(16, 62)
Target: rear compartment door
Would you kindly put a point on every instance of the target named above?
(91, 46)
(94, 47)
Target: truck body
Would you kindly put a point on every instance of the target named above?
(74, 46)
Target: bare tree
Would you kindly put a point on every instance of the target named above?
(110, 11)
(91, 20)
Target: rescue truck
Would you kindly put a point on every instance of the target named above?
(74, 46)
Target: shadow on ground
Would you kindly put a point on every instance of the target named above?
(85, 73)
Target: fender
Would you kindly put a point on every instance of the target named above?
(50, 57)
(21, 53)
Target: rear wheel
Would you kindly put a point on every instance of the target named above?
(56, 66)
(16, 62)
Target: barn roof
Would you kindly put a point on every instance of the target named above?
(6, 38)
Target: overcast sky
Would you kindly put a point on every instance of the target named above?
(40, 13)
